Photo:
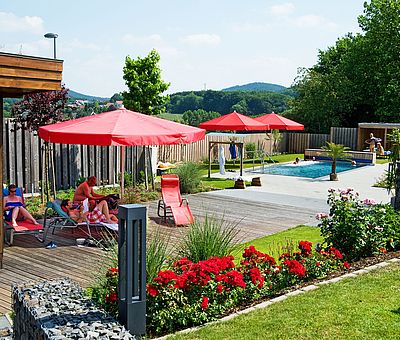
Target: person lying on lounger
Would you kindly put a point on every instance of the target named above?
(14, 209)
(97, 212)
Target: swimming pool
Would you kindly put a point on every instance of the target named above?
(308, 169)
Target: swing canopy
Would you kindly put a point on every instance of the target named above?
(122, 128)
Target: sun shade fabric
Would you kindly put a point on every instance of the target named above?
(277, 122)
(234, 121)
(122, 128)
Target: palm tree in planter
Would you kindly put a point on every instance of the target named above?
(336, 152)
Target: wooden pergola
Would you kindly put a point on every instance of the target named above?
(380, 130)
(20, 75)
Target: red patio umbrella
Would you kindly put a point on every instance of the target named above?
(233, 121)
(277, 122)
(120, 127)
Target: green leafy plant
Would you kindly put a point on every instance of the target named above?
(189, 177)
(250, 149)
(209, 237)
(156, 254)
(359, 228)
(336, 152)
(392, 176)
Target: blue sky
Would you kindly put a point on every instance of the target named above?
(203, 44)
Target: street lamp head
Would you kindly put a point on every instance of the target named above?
(51, 35)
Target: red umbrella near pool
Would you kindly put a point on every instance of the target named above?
(234, 121)
(277, 122)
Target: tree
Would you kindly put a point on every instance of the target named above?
(194, 118)
(143, 78)
(335, 151)
(115, 97)
(356, 80)
(38, 109)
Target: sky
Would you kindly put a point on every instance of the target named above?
(203, 44)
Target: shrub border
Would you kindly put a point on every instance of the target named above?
(287, 295)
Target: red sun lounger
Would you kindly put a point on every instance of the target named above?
(172, 204)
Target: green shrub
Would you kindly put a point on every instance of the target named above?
(359, 228)
(210, 237)
(250, 149)
(189, 177)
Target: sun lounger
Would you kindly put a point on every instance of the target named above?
(23, 228)
(172, 204)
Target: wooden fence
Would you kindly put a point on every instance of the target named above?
(23, 155)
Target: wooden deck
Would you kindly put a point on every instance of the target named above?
(28, 259)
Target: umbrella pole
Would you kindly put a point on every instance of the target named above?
(122, 169)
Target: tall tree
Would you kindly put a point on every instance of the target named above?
(356, 80)
(194, 118)
(143, 78)
(38, 109)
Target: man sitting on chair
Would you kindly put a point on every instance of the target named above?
(85, 190)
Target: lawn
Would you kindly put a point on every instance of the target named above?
(274, 244)
(365, 307)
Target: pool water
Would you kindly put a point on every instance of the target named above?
(308, 169)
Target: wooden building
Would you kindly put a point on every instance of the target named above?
(380, 130)
(20, 75)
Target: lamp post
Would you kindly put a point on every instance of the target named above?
(52, 36)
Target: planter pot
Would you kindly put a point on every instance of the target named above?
(333, 177)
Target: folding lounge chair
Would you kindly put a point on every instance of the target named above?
(172, 204)
(62, 220)
(24, 227)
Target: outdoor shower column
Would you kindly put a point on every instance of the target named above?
(132, 267)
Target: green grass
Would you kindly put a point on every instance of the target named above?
(171, 116)
(366, 307)
(382, 160)
(219, 183)
(274, 244)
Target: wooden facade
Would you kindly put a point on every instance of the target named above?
(20, 75)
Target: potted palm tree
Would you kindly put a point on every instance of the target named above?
(335, 151)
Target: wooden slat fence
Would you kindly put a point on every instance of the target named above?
(24, 155)
(345, 136)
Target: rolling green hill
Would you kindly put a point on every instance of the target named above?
(257, 87)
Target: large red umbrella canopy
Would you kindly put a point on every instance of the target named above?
(277, 122)
(120, 127)
(233, 121)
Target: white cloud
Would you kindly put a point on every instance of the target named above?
(252, 28)
(201, 39)
(283, 9)
(9, 22)
(313, 21)
(133, 39)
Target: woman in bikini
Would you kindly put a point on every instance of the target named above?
(96, 214)
(14, 208)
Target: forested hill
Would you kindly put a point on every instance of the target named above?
(77, 95)
(257, 87)
(246, 102)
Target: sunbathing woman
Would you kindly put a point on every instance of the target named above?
(96, 214)
(14, 209)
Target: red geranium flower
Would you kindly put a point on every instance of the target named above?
(219, 289)
(305, 247)
(336, 253)
(204, 303)
(346, 264)
(111, 297)
(295, 267)
(152, 290)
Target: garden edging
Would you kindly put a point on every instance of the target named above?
(282, 297)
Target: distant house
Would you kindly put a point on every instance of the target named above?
(119, 104)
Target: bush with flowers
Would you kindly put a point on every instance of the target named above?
(359, 228)
(190, 293)
(105, 292)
